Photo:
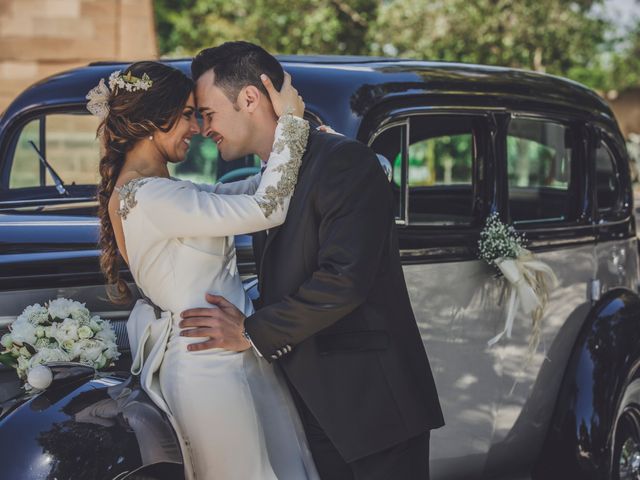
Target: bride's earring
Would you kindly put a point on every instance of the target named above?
(150, 137)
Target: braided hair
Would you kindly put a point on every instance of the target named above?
(133, 116)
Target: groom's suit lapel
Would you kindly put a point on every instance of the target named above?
(273, 232)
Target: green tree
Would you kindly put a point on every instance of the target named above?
(555, 36)
(625, 71)
(571, 38)
(281, 26)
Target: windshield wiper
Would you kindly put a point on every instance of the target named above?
(56, 178)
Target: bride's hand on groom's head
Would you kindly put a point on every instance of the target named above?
(223, 324)
(287, 100)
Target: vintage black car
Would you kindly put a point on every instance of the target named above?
(462, 141)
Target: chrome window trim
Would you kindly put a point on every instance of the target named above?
(558, 119)
(403, 113)
(616, 165)
(604, 222)
(402, 116)
(37, 201)
(406, 143)
(404, 138)
(36, 256)
(384, 127)
(52, 223)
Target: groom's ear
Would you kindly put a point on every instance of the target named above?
(249, 98)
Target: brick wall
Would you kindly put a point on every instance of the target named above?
(42, 37)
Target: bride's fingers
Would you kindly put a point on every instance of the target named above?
(266, 81)
(287, 81)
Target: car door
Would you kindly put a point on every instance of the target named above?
(617, 261)
(442, 180)
(451, 168)
(544, 190)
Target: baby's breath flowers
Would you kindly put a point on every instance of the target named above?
(499, 241)
(529, 280)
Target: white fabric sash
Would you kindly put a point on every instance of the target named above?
(529, 283)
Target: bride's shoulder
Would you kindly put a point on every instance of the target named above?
(142, 189)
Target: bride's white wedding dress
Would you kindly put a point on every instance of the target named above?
(233, 415)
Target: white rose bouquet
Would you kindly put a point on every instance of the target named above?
(62, 330)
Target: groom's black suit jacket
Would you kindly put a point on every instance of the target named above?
(335, 312)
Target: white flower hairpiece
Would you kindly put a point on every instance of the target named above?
(128, 82)
(98, 103)
(98, 96)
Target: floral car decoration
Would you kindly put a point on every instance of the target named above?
(62, 330)
(529, 279)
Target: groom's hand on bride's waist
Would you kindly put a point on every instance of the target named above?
(223, 324)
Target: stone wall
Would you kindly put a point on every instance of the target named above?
(626, 108)
(42, 37)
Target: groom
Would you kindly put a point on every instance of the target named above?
(335, 311)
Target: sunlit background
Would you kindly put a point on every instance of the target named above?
(595, 42)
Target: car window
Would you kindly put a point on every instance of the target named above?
(433, 168)
(539, 162)
(201, 163)
(440, 169)
(389, 143)
(442, 160)
(67, 141)
(204, 164)
(607, 180)
(25, 168)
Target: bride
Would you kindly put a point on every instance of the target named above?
(233, 416)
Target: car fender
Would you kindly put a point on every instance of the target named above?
(605, 354)
(100, 427)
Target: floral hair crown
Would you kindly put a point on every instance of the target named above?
(98, 96)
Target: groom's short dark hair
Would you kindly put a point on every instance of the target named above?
(236, 65)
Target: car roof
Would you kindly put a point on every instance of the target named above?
(342, 89)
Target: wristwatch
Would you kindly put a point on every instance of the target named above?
(246, 335)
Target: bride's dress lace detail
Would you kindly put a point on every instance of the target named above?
(127, 193)
(294, 136)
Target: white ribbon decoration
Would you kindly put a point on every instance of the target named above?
(525, 275)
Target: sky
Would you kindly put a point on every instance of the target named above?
(623, 11)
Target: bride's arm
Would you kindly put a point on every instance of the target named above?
(177, 209)
(249, 186)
